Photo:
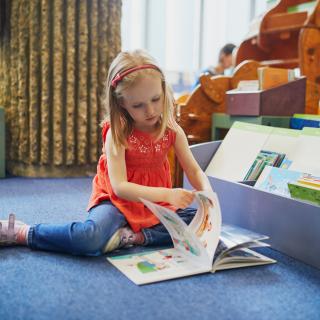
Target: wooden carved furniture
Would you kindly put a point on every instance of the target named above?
(287, 39)
(194, 113)
(194, 116)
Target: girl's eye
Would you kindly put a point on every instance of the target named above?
(136, 106)
(156, 99)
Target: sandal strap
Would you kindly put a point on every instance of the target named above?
(12, 218)
(7, 236)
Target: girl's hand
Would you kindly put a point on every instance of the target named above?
(180, 198)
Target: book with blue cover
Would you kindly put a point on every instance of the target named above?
(275, 180)
(289, 183)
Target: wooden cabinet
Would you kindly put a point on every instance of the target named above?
(288, 36)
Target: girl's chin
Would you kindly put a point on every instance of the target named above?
(149, 124)
(153, 120)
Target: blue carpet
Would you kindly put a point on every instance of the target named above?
(43, 285)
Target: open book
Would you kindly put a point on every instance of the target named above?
(201, 247)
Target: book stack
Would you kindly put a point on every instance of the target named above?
(264, 158)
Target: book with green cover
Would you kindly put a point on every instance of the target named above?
(264, 158)
(307, 116)
(304, 192)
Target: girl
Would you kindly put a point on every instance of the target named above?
(137, 134)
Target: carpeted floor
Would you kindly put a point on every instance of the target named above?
(43, 285)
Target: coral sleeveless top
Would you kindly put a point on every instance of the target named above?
(147, 164)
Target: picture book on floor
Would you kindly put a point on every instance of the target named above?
(202, 246)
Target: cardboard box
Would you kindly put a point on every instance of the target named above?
(292, 225)
(284, 100)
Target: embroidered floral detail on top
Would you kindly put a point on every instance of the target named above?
(145, 145)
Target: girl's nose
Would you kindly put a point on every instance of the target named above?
(149, 110)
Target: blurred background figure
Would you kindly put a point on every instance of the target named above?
(225, 63)
(225, 59)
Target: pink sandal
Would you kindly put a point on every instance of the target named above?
(12, 232)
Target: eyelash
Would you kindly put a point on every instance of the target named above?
(140, 105)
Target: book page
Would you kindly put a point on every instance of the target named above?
(206, 224)
(242, 258)
(154, 266)
(233, 249)
(199, 241)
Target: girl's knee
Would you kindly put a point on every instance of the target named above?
(187, 214)
(88, 238)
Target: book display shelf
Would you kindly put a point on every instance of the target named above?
(292, 225)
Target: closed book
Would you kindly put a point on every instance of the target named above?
(304, 192)
(273, 77)
(299, 123)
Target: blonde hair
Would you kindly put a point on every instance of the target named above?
(120, 121)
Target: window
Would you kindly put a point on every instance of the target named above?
(185, 36)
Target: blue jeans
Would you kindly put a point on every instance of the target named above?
(89, 237)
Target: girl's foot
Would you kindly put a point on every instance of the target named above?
(122, 238)
(13, 232)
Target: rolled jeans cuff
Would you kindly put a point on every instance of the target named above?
(30, 236)
(147, 237)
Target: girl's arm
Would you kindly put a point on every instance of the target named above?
(196, 176)
(131, 191)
